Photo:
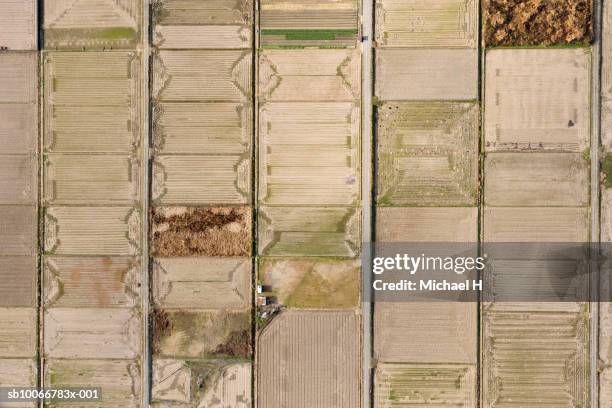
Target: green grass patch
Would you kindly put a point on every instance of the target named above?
(310, 35)
(116, 33)
(606, 169)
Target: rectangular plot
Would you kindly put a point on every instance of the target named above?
(220, 75)
(91, 179)
(18, 327)
(18, 128)
(202, 334)
(18, 24)
(308, 231)
(535, 224)
(18, 179)
(329, 345)
(425, 385)
(18, 373)
(201, 179)
(428, 154)
(119, 380)
(440, 332)
(311, 284)
(93, 103)
(533, 359)
(178, 382)
(451, 224)
(18, 277)
(418, 23)
(186, 24)
(202, 283)
(309, 153)
(536, 179)
(426, 74)
(309, 75)
(91, 282)
(18, 77)
(92, 24)
(92, 231)
(202, 128)
(92, 333)
(303, 23)
(201, 231)
(18, 230)
(537, 99)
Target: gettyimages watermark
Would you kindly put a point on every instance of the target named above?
(490, 272)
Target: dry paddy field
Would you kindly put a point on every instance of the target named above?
(439, 332)
(297, 344)
(427, 224)
(92, 282)
(19, 281)
(120, 380)
(535, 224)
(188, 24)
(18, 373)
(312, 284)
(309, 153)
(424, 385)
(92, 24)
(309, 75)
(308, 231)
(536, 179)
(426, 74)
(18, 22)
(202, 334)
(209, 384)
(427, 154)
(309, 23)
(532, 358)
(423, 23)
(18, 328)
(537, 99)
(202, 283)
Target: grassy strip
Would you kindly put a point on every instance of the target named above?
(305, 35)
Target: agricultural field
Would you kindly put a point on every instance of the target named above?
(426, 74)
(427, 224)
(552, 348)
(540, 23)
(299, 167)
(445, 23)
(309, 75)
(200, 231)
(92, 24)
(308, 231)
(200, 75)
(424, 385)
(537, 99)
(19, 287)
(427, 154)
(312, 284)
(18, 373)
(17, 332)
(18, 22)
(189, 24)
(329, 346)
(120, 380)
(535, 224)
(452, 325)
(307, 23)
(213, 383)
(202, 283)
(92, 282)
(536, 179)
(202, 334)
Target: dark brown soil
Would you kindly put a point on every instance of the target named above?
(198, 231)
(237, 345)
(537, 22)
(160, 324)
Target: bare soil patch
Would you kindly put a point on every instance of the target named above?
(537, 22)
